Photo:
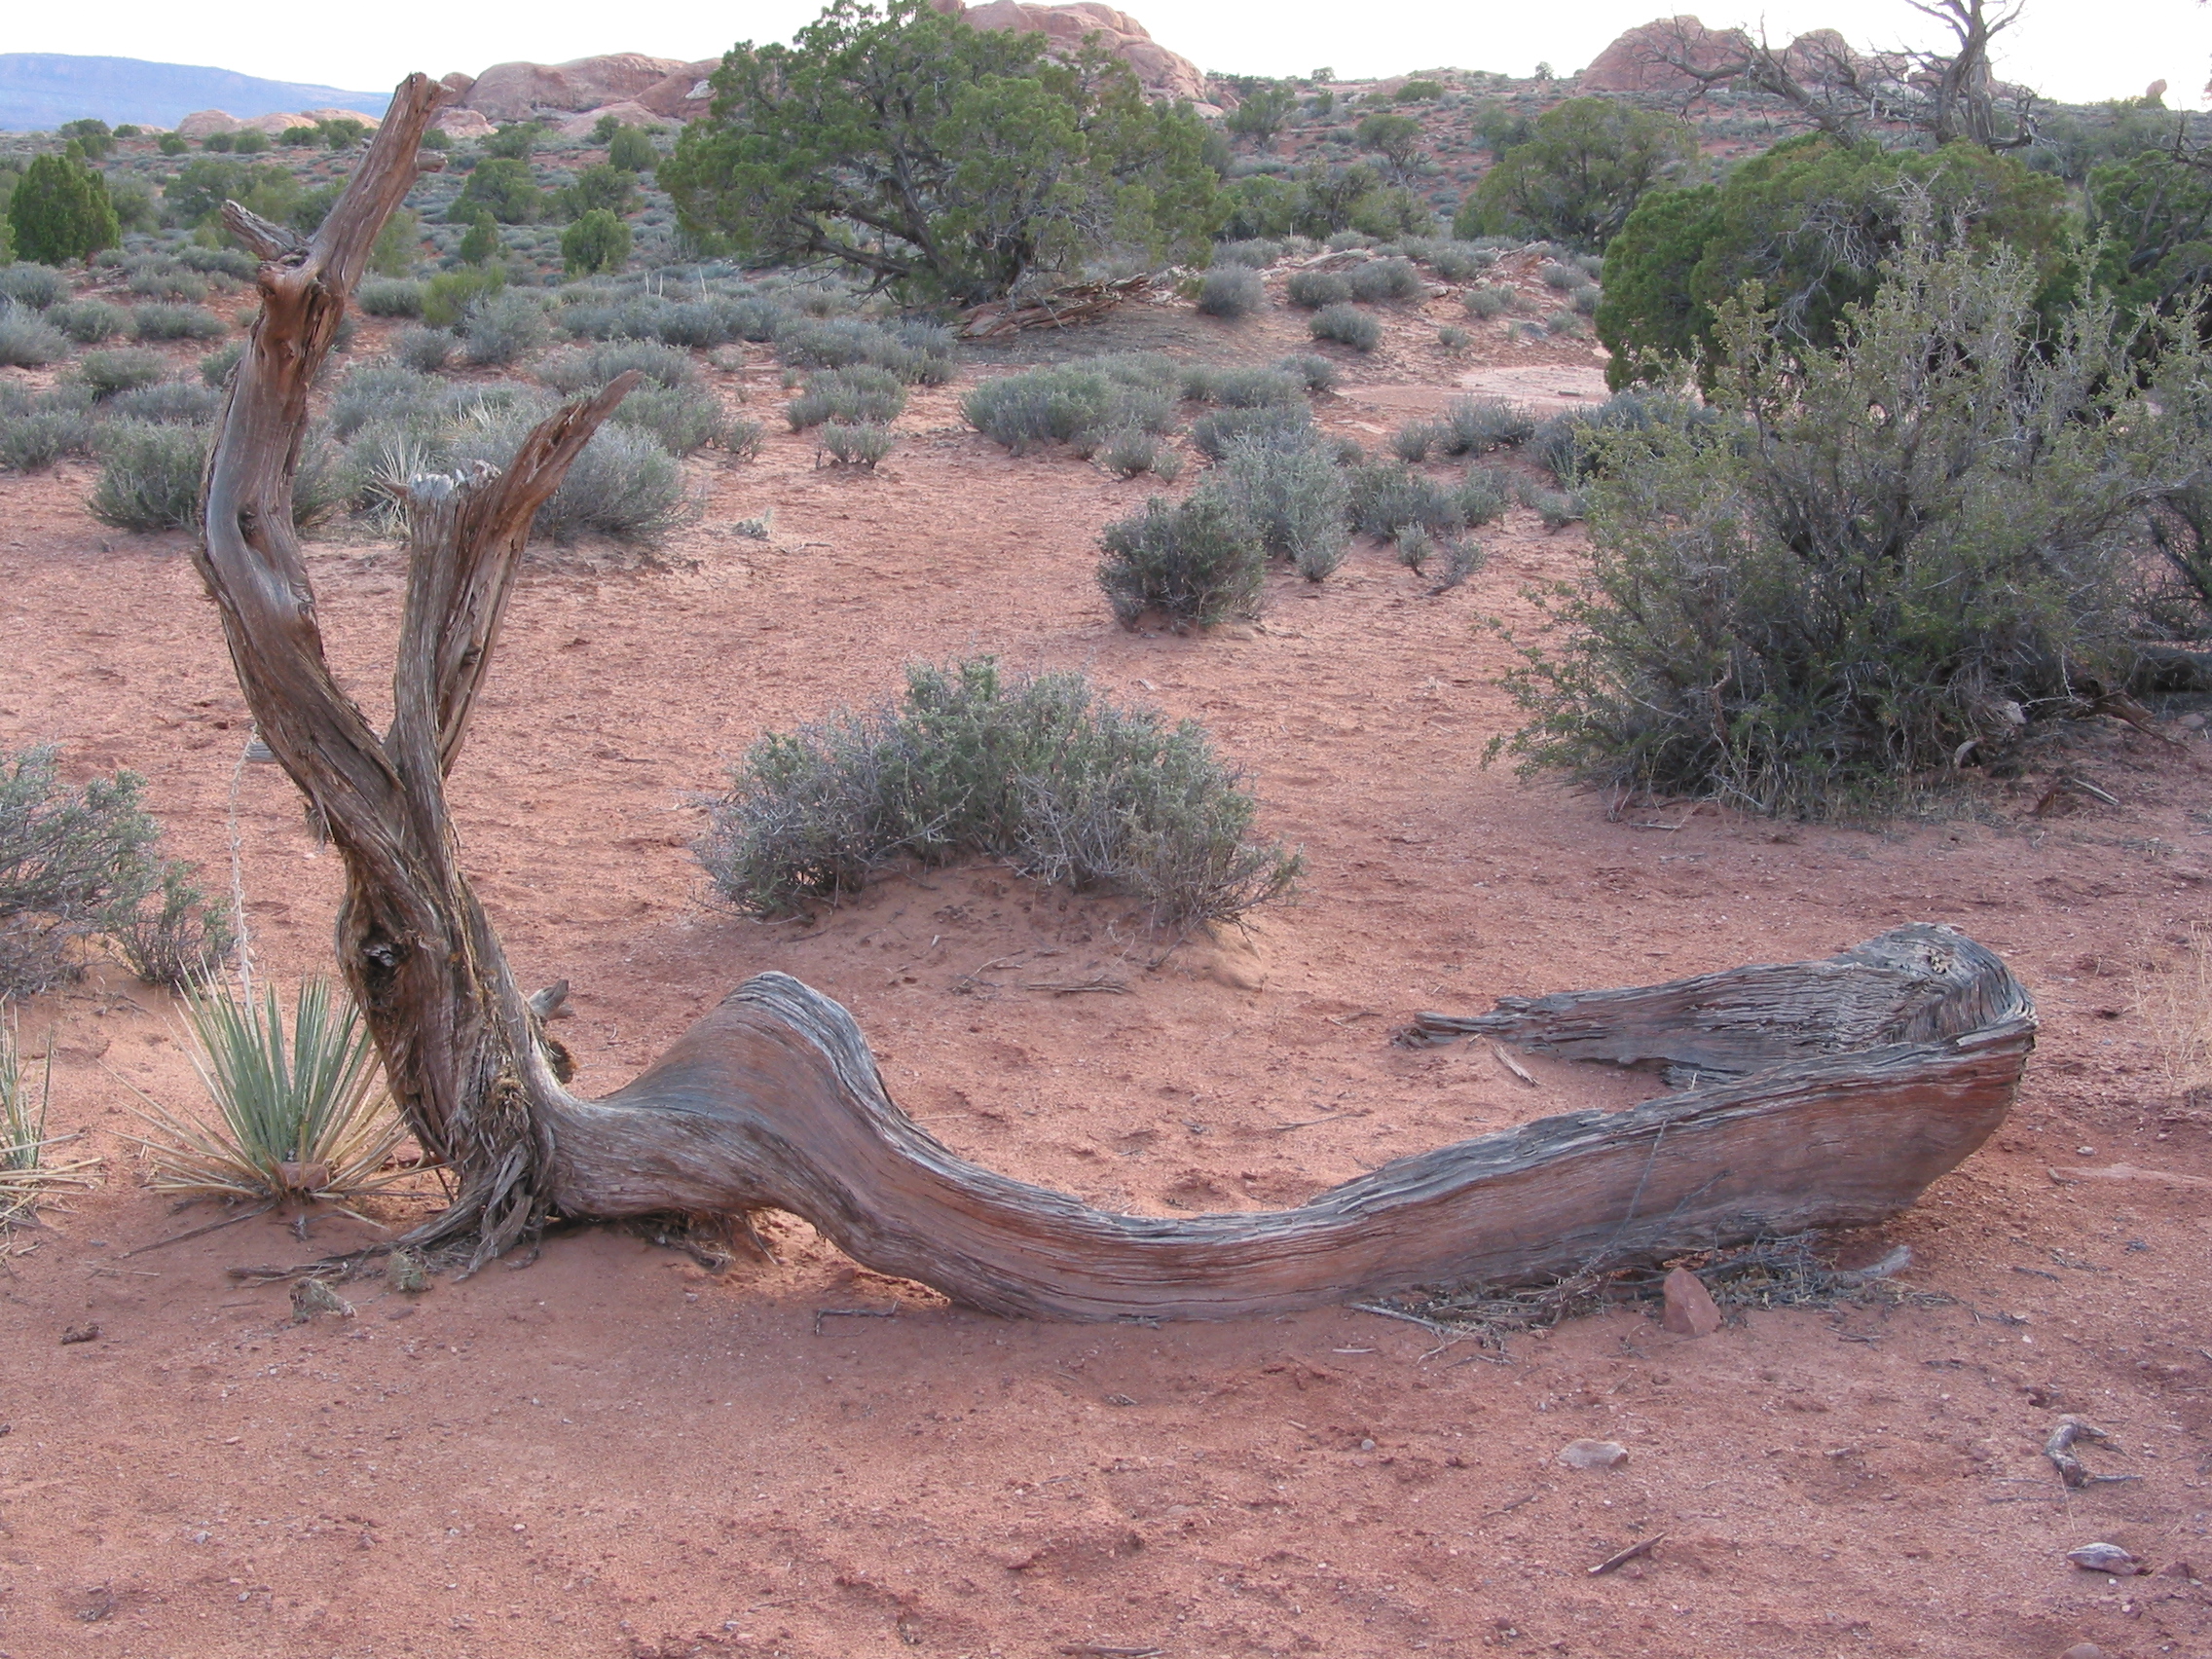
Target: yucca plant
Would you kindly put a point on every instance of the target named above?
(26, 1173)
(299, 1114)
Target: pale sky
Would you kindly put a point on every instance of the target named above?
(2077, 51)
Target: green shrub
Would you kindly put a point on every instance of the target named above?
(624, 485)
(1461, 261)
(916, 353)
(743, 439)
(502, 328)
(227, 262)
(1564, 323)
(1044, 772)
(1128, 454)
(864, 445)
(1347, 326)
(599, 240)
(161, 279)
(1311, 368)
(1213, 432)
(107, 373)
(74, 863)
(1292, 492)
(1198, 563)
(1572, 445)
(28, 341)
(426, 350)
(1417, 440)
(1231, 291)
(172, 935)
(588, 368)
(374, 390)
(177, 322)
(1075, 403)
(501, 187)
(1476, 425)
(1555, 275)
(1386, 497)
(60, 212)
(171, 144)
(1240, 385)
(1313, 289)
(446, 296)
(1918, 547)
(34, 439)
(390, 296)
(481, 244)
(149, 476)
(35, 287)
(169, 403)
(1386, 279)
(1256, 252)
(858, 395)
(680, 419)
(1450, 339)
(89, 322)
(1488, 303)
(631, 150)
(1578, 173)
(1483, 495)
(250, 142)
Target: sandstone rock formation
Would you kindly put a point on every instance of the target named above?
(1162, 74)
(202, 122)
(682, 93)
(1635, 63)
(516, 92)
(629, 112)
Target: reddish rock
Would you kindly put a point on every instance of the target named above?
(628, 113)
(1690, 1309)
(204, 122)
(1635, 63)
(515, 92)
(463, 123)
(684, 92)
(1162, 74)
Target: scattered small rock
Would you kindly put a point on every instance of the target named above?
(1690, 1309)
(2083, 1650)
(1593, 1455)
(80, 1334)
(2105, 1558)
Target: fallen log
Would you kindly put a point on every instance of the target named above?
(1821, 1095)
(1081, 302)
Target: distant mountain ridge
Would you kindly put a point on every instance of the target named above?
(39, 91)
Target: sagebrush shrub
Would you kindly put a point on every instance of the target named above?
(215, 368)
(149, 476)
(681, 419)
(1554, 273)
(1075, 403)
(390, 296)
(1476, 425)
(89, 322)
(1386, 279)
(1487, 302)
(177, 322)
(76, 863)
(1290, 489)
(1199, 562)
(1042, 771)
(1885, 561)
(1231, 291)
(1315, 371)
(1573, 444)
(167, 404)
(28, 341)
(36, 438)
(1128, 454)
(161, 280)
(1313, 289)
(32, 287)
(1387, 497)
(1240, 386)
(1347, 326)
(588, 368)
(1414, 441)
(426, 350)
(502, 328)
(860, 394)
(624, 485)
(864, 445)
(1212, 432)
(1483, 495)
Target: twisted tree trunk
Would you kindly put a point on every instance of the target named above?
(1837, 1091)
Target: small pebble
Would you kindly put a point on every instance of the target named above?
(1690, 1311)
(2104, 1558)
(1593, 1455)
(2083, 1650)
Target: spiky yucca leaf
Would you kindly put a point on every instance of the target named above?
(299, 1114)
(26, 1173)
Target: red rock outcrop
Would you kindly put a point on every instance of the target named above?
(684, 92)
(1635, 63)
(629, 113)
(1162, 74)
(516, 92)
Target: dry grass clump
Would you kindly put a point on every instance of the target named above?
(27, 1174)
(1040, 770)
(2176, 1006)
(298, 1113)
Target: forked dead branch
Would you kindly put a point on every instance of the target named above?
(1817, 1094)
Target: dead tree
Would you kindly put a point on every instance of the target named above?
(1951, 96)
(1824, 1093)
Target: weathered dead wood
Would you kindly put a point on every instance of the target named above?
(1082, 302)
(1827, 1093)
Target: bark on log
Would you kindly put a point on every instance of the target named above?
(1827, 1093)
